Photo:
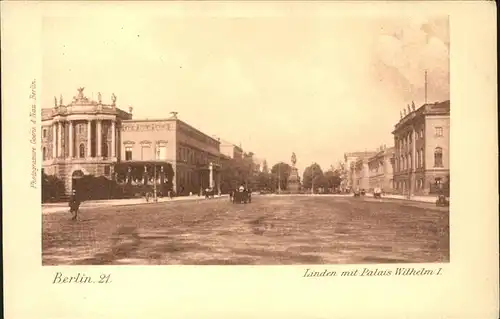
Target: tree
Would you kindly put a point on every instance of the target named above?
(266, 181)
(313, 175)
(281, 171)
(333, 179)
(237, 171)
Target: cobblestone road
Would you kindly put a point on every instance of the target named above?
(270, 230)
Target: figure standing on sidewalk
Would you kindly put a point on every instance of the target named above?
(74, 204)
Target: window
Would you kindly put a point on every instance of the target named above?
(421, 158)
(44, 133)
(438, 157)
(80, 128)
(439, 131)
(106, 170)
(161, 152)
(145, 149)
(81, 151)
(128, 153)
(44, 153)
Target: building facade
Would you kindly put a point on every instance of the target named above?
(230, 150)
(421, 142)
(361, 171)
(91, 137)
(381, 167)
(352, 173)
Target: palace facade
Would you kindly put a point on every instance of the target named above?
(86, 137)
(422, 152)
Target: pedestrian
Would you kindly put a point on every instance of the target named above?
(74, 204)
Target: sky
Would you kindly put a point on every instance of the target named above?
(318, 87)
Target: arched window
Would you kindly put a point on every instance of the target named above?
(438, 157)
(44, 153)
(81, 152)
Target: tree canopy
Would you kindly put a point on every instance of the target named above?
(313, 174)
(281, 172)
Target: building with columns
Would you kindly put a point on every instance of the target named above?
(422, 149)
(380, 168)
(360, 171)
(86, 137)
(350, 175)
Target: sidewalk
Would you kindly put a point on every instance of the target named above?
(423, 199)
(62, 207)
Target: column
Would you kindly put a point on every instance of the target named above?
(54, 140)
(211, 178)
(70, 139)
(89, 139)
(59, 139)
(113, 139)
(99, 139)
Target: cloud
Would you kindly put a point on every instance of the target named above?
(402, 54)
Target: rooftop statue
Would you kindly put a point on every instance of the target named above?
(99, 97)
(80, 93)
(113, 98)
(55, 101)
(413, 105)
(294, 159)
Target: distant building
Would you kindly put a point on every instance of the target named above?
(361, 173)
(422, 154)
(380, 168)
(350, 177)
(230, 150)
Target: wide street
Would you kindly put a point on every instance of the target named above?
(270, 230)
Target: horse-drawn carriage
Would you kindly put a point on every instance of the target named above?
(442, 201)
(209, 193)
(241, 195)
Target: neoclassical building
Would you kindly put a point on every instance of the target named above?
(381, 167)
(422, 148)
(87, 137)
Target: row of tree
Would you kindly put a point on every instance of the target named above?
(241, 171)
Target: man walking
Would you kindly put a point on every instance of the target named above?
(74, 204)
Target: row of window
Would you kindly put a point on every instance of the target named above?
(81, 129)
(160, 152)
(404, 162)
(81, 151)
(407, 139)
(419, 184)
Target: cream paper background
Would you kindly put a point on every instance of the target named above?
(468, 287)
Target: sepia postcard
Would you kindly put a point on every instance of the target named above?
(249, 159)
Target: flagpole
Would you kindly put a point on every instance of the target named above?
(425, 81)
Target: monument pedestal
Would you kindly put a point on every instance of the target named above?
(293, 185)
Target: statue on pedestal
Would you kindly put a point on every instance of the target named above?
(293, 184)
